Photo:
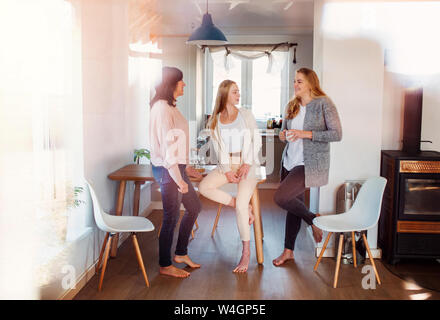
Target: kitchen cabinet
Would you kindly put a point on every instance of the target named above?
(270, 155)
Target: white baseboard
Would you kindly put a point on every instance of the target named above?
(81, 282)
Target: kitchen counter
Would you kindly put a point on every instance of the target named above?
(269, 132)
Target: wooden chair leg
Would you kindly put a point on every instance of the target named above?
(158, 230)
(104, 243)
(353, 242)
(338, 261)
(371, 257)
(193, 231)
(216, 219)
(104, 266)
(322, 251)
(139, 257)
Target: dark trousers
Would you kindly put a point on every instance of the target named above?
(171, 200)
(290, 197)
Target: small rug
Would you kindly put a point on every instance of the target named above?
(423, 272)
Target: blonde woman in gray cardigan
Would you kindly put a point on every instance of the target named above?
(236, 142)
(310, 123)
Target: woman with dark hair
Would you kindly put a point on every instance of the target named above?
(310, 123)
(169, 146)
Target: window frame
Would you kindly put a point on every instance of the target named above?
(246, 90)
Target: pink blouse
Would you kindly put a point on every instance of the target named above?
(169, 138)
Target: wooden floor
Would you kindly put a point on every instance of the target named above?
(220, 254)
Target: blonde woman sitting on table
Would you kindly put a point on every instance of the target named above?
(236, 142)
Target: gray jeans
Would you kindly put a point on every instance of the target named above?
(290, 197)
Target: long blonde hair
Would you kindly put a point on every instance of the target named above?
(293, 106)
(220, 102)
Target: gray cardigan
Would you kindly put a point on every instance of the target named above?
(323, 120)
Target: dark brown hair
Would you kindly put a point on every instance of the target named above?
(165, 89)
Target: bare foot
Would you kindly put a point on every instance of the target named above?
(186, 259)
(284, 257)
(245, 258)
(251, 215)
(317, 234)
(173, 272)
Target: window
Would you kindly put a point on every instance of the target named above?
(263, 82)
(41, 85)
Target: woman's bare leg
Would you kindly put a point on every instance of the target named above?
(245, 258)
(187, 260)
(284, 257)
(173, 271)
(317, 233)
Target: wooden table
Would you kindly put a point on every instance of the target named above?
(140, 173)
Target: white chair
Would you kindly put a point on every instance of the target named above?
(363, 215)
(116, 224)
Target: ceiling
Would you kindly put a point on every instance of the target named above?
(235, 17)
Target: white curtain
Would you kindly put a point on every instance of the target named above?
(275, 55)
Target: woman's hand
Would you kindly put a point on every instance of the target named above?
(182, 186)
(293, 135)
(282, 135)
(193, 173)
(232, 177)
(243, 171)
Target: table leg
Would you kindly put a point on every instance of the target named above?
(119, 207)
(137, 196)
(258, 230)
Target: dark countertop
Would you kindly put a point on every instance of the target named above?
(427, 155)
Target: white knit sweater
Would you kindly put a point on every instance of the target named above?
(251, 144)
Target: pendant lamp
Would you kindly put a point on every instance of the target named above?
(207, 33)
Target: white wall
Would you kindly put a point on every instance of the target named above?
(350, 40)
(115, 122)
(351, 73)
(392, 126)
(115, 110)
(431, 112)
(176, 53)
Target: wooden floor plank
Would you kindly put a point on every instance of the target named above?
(220, 254)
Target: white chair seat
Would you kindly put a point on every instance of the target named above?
(345, 222)
(116, 224)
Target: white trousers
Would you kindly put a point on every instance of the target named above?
(209, 188)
